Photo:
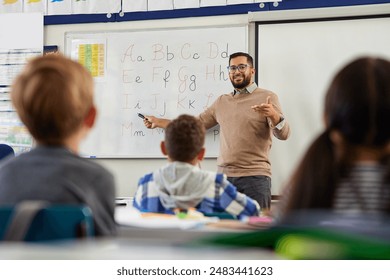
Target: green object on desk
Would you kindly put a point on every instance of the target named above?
(182, 215)
(221, 215)
(309, 243)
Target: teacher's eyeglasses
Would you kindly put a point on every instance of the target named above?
(241, 68)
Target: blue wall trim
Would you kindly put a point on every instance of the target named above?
(205, 11)
(307, 4)
(77, 18)
(196, 12)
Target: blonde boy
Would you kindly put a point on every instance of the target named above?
(53, 97)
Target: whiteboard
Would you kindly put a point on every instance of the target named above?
(297, 61)
(162, 72)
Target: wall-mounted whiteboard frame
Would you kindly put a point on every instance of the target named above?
(297, 54)
(162, 72)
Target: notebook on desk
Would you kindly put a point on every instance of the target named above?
(129, 216)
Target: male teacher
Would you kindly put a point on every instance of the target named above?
(248, 117)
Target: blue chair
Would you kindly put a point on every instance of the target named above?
(34, 221)
(6, 150)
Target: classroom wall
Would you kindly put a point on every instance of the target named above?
(128, 171)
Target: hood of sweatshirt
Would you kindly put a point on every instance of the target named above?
(182, 185)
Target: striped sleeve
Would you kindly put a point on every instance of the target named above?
(146, 199)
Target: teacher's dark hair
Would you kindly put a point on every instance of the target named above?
(249, 59)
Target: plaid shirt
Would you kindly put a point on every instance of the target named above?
(222, 197)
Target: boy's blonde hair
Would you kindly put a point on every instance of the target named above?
(53, 95)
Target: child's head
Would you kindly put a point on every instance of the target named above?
(53, 97)
(357, 104)
(184, 139)
(357, 109)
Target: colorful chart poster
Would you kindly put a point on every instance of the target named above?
(91, 54)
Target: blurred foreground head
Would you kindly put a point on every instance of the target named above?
(356, 114)
(357, 103)
(53, 97)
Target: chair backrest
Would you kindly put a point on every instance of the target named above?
(6, 150)
(44, 222)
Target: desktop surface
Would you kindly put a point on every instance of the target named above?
(128, 249)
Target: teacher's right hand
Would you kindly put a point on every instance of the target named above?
(150, 121)
(153, 122)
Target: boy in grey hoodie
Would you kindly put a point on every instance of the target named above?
(181, 184)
